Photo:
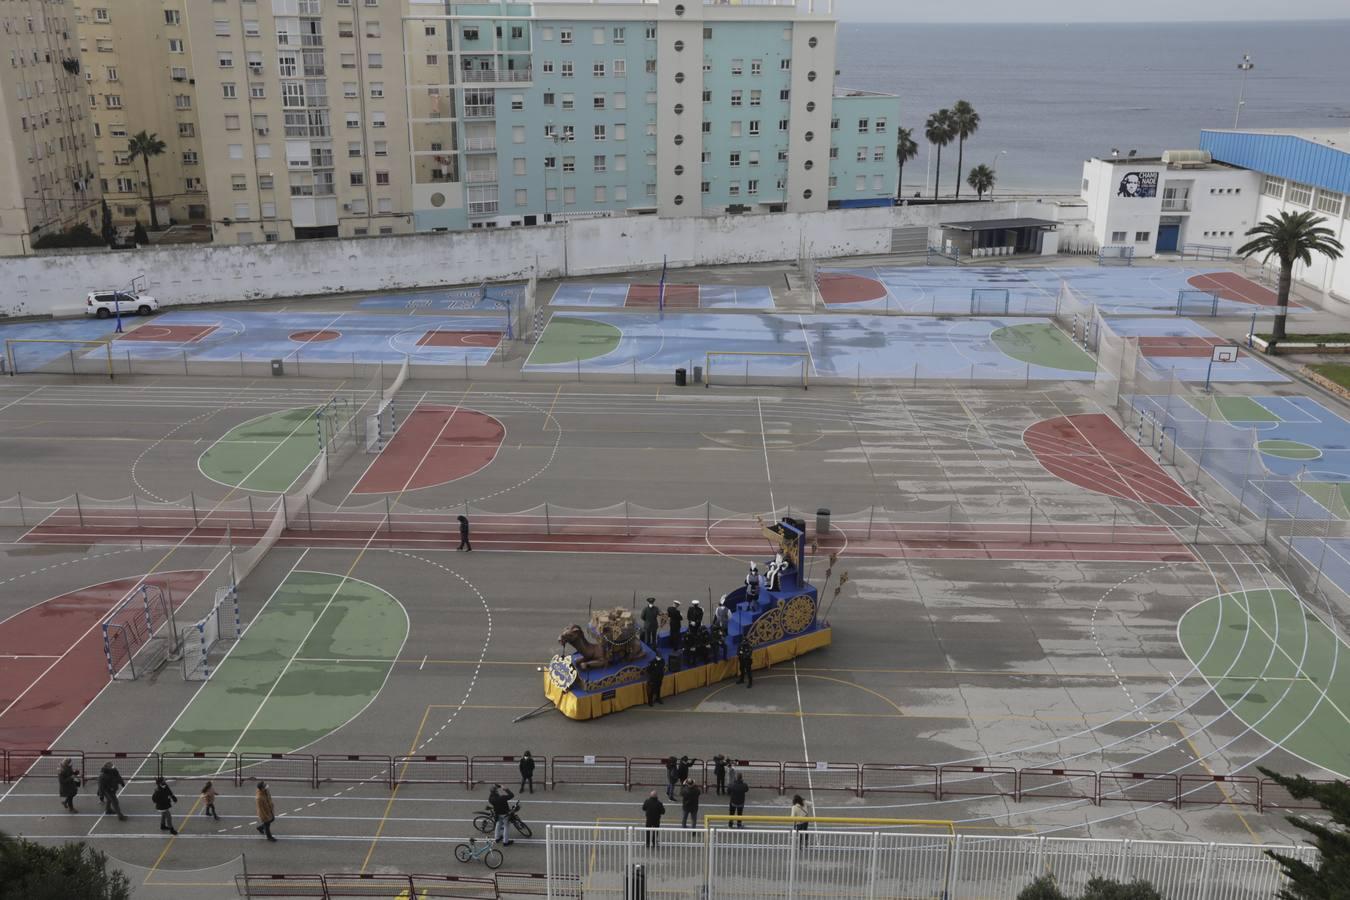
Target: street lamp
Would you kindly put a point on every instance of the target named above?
(995, 169)
(1244, 67)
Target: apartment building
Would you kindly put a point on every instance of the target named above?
(350, 117)
(138, 69)
(47, 162)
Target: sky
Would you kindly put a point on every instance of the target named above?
(1139, 11)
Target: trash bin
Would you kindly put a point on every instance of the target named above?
(680, 378)
(698, 374)
(822, 522)
(278, 368)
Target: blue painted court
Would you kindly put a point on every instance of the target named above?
(465, 299)
(994, 290)
(613, 295)
(1184, 347)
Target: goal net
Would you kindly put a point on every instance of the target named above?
(989, 301)
(131, 639)
(1116, 255)
(335, 422)
(205, 637)
(382, 425)
(50, 355)
(1193, 302)
(732, 367)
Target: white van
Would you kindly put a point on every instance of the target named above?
(109, 303)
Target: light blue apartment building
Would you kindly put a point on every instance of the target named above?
(547, 112)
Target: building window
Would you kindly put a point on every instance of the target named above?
(862, 154)
(600, 163)
(113, 101)
(1142, 237)
(737, 66)
(650, 33)
(599, 133)
(860, 183)
(1118, 237)
(172, 17)
(569, 164)
(187, 129)
(257, 91)
(785, 95)
(357, 179)
(377, 120)
(222, 27)
(1330, 202)
(471, 33)
(564, 35)
(381, 177)
(705, 187)
(734, 189)
(569, 101)
(375, 60)
(734, 159)
(878, 154)
(598, 70)
(189, 157)
(353, 149)
(566, 71)
(517, 134)
(229, 91)
(1300, 194)
(376, 90)
(736, 98)
(1273, 187)
(879, 126)
(598, 101)
(238, 183)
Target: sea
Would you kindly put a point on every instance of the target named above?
(1055, 95)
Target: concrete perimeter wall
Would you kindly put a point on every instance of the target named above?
(180, 275)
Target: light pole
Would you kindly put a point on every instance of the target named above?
(994, 167)
(1244, 67)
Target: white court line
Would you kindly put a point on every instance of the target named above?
(21, 399)
(768, 472)
(806, 339)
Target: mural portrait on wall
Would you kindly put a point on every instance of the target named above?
(1138, 184)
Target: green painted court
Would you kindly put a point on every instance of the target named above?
(268, 453)
(312, 660)
(1278, 668)
(1333, 495)
(568, 339)
(1042, 344)
(1236, 410)
(1289, 449)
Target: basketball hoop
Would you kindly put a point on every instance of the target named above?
(1221, 353)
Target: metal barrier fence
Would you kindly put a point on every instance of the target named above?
(1176, 789)
(609, 861)
(409, 887)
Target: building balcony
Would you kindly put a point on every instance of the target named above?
(1177, 204)
(480, 112)
(480, 145)
(502, 76)
(483, 208)
(481, 177)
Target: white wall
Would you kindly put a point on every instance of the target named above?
(46, 285)
(1323, 274)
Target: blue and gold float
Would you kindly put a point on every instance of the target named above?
(606, 669)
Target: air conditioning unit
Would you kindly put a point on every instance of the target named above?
(346, 207)
(263, 132)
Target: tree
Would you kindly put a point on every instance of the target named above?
(905, 150)
(981, 179)
(1331, 876)
(145, 146)
(67, 872)
(1293, 237)
(965, 122)
(939, 131)
(1045, 888)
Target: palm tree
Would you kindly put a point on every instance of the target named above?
(981, 179)
(1293, 237)
(965, 122)
(939, 131)
(905, 150)
(145, 146)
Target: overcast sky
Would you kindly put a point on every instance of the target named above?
(1140, 11)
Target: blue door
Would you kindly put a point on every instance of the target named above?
(1167, 238)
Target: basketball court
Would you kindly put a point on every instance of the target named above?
(648, 295)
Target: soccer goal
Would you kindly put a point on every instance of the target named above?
(31, 355)
(990, 301)
(335, 422)
(201, 639)
(131, 639)
(1192, 302)
(731, 367)
(1116, 255)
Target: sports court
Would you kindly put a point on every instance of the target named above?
(672, 294)
(952, 290)
(1185, 347)
(465, 299)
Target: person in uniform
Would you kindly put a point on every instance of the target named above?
(695, 614)
(651, 623)
(656, 673)
(676, 619)
(745, 655)
(717, 640)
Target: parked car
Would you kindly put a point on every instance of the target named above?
(108, 303)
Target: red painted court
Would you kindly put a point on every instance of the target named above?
(52, 663)
(839, 287)
(1093, 453)
(442, 338)
(434, 445)
(169, 334)
(648, 296)
(1180, 345)
(319, 336)
(1232, 286)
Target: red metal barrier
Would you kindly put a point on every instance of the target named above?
(535, 884)
(1221, 790)
(296, 768)
(1061, 784)
(1275, 795)
(646, 771)
(757, 773)
(822, 776)
(369, 884)
(505, 770)
(977, 781)
(354, 768)
(184, 766)
(431, 770)
(452, 887)
(590, 770)
(898, 778)
(135, 767)
(281, 886)
(40, 763)
(1140, 787)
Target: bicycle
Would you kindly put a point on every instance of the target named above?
(476, 849)
(485, 822)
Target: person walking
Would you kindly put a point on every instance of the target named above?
(110, 781)
(656, 674)
(68, 783)
(675, 618)
(672, 777)
(736, 799)
(800, 810)
(164, 799)
(653, 809)
(209, 795)
(689, 795)
(500, 801)
(651, 623)
(266, 811)
(527, 772)
(745, 655)
(464, 534)
(720, 773)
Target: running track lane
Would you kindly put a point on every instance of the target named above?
(1093, 453)
(615, 534)
(435, 445)
(52, 663)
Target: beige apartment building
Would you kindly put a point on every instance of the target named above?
(48, 179)
(303, 118)
(138, 68)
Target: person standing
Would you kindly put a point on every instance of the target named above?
(800, 810)
(682, 769)
(720, 773)
(675, 618)
(745, 655)
(500, 800)
(527, 772)
(266, 811)
(672, 777)
(656, 674)
(695, 614)
(164, 799)
(752, 586)
(464, 534)
(717, 638)
(651, 623)
(689, 795)
(736, 799)
(653, 809)
(209, 798)
(68, 783)
(110, 781)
